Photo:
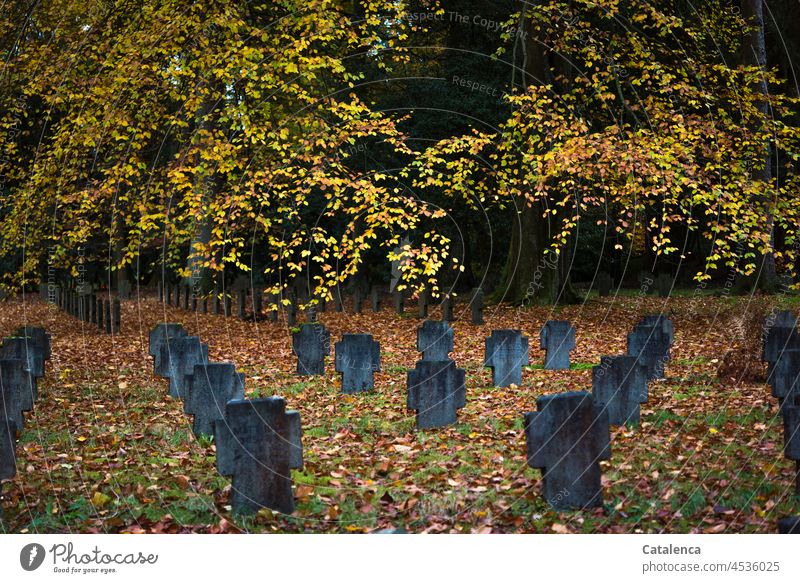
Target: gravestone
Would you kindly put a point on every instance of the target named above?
(357, 300)
(399, 300)
(227, 305)
(117, 316)
(272, 315)
(311, 344)
(160, 288)
(435, 340)
(646, 280)
(124, 288)
(160, 334)
(566, 438)
(375, 297)
(211, 386)
(422, 305)
(784, 377)
(662, 321)
(177, 295)
(311, 314)
(604, 284)
(436, 390)
(557, 337)
(258, 443)
(93, 309)
(217, 304)
(38, 336)
(791, 437)
(358, 356)
(17, 390)
(619, 384)
(447, 308)
(291, 314)
(476, 307)
(664, 284)
(8, 448)
(178, 357)
(257, 302)
(506, 354)
(789, 525)
(651, 346)
(169, 295)
(26, 350)
(204, 306)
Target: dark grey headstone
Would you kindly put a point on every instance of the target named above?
(38, 336)
(160, 333)
(93, 309)
(26, 350)
(107, 317)
(566, 438)
(291, 314)
(177, 361)
(651, 345)
(784, 375)
(664, 283)
(100, 315)
(789, 525)
(358, 356)
(227, 305)
(160, 292)
(357, 300)
(436, 390)
(422, 305)
(399, 301)
(476, 307)
(791, 436)
(117, 316)
(506, 354)
(447, 308)
(8, 448)
(257, 303)
(311, 314)
(241, 303)
(258, 443)
(557, 337)
(211, 386)
(435, 340)
(646, 282)
(169, 295)
(272, 315)
(17, 390)
(177, 295)
(664, 322)
(217, 305)
(124, 288)
(311, 344)
(619, 384)
(204, 306)
(604, 284)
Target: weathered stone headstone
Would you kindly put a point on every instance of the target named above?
(92, 309)
(789, 525)
(177, 295)
(436, 390)
(211, 386)
(791, 436)
(217, 304)
(160, 334)
(358, 356)
(357, 300)
(566, 438)
(26, 350)
(476, 307)
(604, 284)
(662, 321)
(17, 388)
(291, 314)
(178, 358)
(399, 301)
(646, 280)
(557, 337)
(257, 302)
(38, 336)
(117, 316)
(785, 376)
(664, 284)
(311, 344)
(447, 308)
(272, 315)
(422, 305)
(100, 315)
(124, 288)
(506, 354)
(258, 443)
(311, 314)
(651, 346)
(8, 448)
(160, 292)
(435, 340)
(227, 304)
(619, 384)
(107, 317)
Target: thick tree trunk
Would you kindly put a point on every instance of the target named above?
(533, 273)
(754, 52)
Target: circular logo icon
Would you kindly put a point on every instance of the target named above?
(31, 556)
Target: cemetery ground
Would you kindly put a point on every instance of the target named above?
(107, 450)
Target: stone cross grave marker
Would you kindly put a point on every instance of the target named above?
(17, 390)
(619, 383)
(8, 447)
(557, 338)
(447, 308)
(650, 344)
(311, 344)
(258, 443)
(358, 356)
(38, 336)
(158, 335)
(26, 350)
(784, 377)
(566, 438)
(435, 340)
(211, 386)
(476, 307)
(375, 297)
(436, 390)
(178, 357)
(506, 354)
(399, 302)
(662, 321)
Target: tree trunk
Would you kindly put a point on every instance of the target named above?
(754, 53)
(533, 273)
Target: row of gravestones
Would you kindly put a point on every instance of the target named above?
(87, 307)
(22, 363)
(781, 343)
(258, 441)
(183, 296)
